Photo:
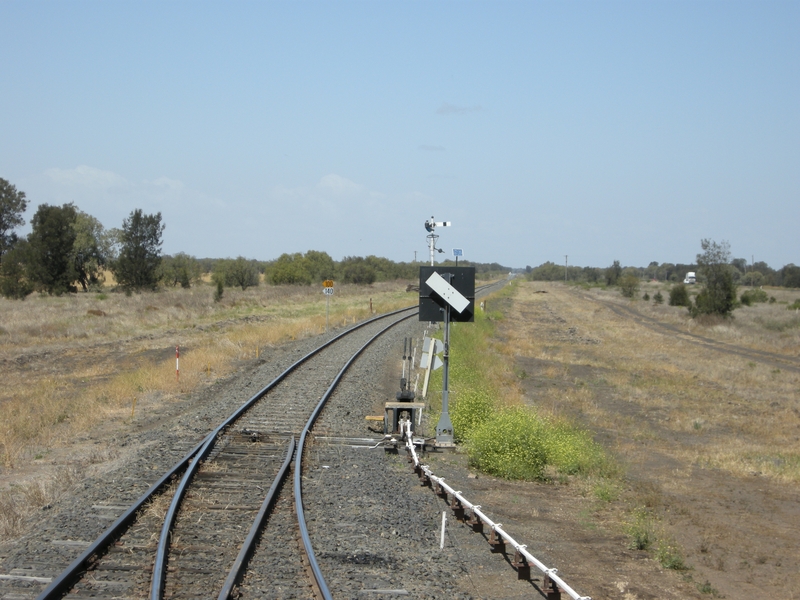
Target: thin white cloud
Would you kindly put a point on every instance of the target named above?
(429, 148)
(339, 185)
(166, 182)
(451, 109)
(86, 176)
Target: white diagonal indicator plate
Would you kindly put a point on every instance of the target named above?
(450, 294)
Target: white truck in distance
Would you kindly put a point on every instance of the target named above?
(690, 278)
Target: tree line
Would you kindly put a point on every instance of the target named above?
(743, 273)
(718, 273)
(68, 249)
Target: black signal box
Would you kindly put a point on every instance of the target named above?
(432, 305)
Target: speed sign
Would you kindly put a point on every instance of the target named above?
(328, 291)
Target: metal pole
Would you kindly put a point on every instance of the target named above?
(444, 429)
(432, 244)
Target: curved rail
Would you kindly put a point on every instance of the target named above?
(61, 584)
(160, 565)
(240, 563)
(298, 486)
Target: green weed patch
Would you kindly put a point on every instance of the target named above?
(512, 442)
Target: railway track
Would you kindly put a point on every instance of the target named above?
(184, 537)
(349, 488)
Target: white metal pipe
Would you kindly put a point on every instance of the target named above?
(497, 527)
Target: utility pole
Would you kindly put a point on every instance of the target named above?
(565, 268)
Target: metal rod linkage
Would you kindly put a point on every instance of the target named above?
(496, 528)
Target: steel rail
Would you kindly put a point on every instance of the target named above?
(62, 584)
(240, 564)
(160, 564)
(298, 485)
(424, 470)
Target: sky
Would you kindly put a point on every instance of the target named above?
(543, 131)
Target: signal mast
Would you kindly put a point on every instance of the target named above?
(430, 226)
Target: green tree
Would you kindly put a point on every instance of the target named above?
(140, 253)
(50, 260)
(14, 283)
(613, 273)
(790, 276)
(180, 268)
(753, 278)
(679, 295)
(718, 296)
(355, 269)
(628, 285)
(12, 206)
(241, 272)
(319, 265)
(290, 269)
(91, 250)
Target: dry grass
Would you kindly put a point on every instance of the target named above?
(742, 415)
(762, 326)
(26, 498)
(66, 368)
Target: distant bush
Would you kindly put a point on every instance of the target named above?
(658, 298)
(13, 283)
(646, 297)
(357, 270)
(718, 296)
(613, 273)
(794, 305)
(679, 295)
(749, 297)
(290, 269)
(628, 285)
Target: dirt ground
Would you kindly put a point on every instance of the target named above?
(737, 534)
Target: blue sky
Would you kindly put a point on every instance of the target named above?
(599, 130)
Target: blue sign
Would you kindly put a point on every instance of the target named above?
(458, 252)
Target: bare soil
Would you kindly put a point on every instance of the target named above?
(738, 534)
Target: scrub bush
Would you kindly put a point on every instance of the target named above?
(749, 297)
(679, 295)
